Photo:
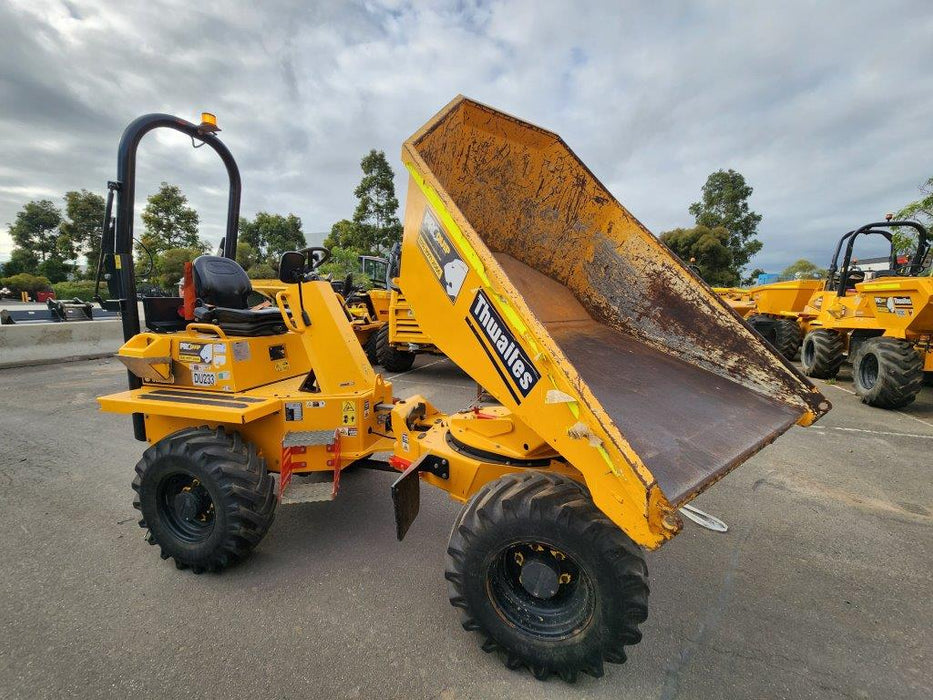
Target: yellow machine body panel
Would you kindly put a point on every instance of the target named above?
(381, 300)
(738, 299)
(261, 384)
(530, 276)
(783, 298)
(404, 328)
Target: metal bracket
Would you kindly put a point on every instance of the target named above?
(435, 465)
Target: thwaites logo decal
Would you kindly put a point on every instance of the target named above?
(442, 257)
(517, 364)
(895, 305)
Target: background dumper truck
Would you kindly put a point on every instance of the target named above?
(624, 389)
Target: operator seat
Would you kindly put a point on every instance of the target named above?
(222, 289)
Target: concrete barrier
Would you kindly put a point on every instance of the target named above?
(44, 343)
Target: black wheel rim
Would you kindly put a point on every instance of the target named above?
(540, 590)
(868, 370)
(186, 507)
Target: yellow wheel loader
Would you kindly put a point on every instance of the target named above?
(625, 389)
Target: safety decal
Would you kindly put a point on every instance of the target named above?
(518, 366)
(442, 257)
(195, 352)
(348, 409)
(293, 411)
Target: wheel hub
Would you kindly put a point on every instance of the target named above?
(187, 505)
(540, 578)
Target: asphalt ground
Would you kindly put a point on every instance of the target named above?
(820, 589)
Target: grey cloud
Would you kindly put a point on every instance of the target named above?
(825, 113)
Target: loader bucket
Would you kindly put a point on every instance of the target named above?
(573, 315)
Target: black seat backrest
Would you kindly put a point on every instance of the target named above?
(221, 282)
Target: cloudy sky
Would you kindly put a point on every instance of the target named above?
(825, 107)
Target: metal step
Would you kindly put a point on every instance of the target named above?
(308, 488)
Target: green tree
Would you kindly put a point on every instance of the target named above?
(343, 262)
(246, 255)
(25, 282)
(170, 265)
(262, 271)
(36, 228)
(376, 214)
(921, 210)
(169, 222)
(270, 235)
(752, 277)
(84, 212)
(802, 270)
(725, 203)
(347, 234)
(708, 248)
(22, 261)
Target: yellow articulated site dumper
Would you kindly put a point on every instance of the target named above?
(625, 388)
(384, 321)
(884, 325)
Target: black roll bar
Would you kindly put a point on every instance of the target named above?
(117, 240)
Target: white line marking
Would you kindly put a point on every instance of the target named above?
(900, 413)
(873, 432)
(836, 386)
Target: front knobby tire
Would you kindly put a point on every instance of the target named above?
(391, 359)
(205, 497)
(545, 578)
(822, 353)
(787, 337)
(887, 372)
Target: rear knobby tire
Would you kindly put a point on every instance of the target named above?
(391, 359)
(205, 497)
(822, 353)
(787, 337)
(545, 578)
(887, 372)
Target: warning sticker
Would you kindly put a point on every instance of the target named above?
(293, 410)
(195, 352)
(405, 441)
(366, 409)
(315, 404)
(281, 366)
(348, 409)
(442, 257)
(348, 432)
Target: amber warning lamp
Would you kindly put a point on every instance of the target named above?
(208, 124)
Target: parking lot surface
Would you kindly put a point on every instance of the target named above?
(820, 589)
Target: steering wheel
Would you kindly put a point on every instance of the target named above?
(316, 255)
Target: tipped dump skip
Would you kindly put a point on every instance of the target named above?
(659, 360)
